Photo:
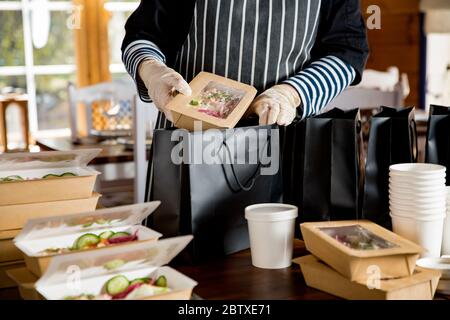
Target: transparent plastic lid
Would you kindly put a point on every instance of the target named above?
(84, 222)
(120, 259)
(49, 159)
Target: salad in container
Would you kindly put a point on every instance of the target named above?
(44, 238)
(64, 175)
(134, 272)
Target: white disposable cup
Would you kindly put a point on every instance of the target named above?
(426, 232)
(422, 169)
(438, 187)
(407, 194)
(446, 236)
(271, 228)
(436, 197)
(417, 213)
(419, 176)
(416, 183)
(404, 205)
(430, 202)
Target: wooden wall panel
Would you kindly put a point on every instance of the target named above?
(397, 43)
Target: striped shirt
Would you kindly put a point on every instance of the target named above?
(258, 42)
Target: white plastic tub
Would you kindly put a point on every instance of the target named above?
(271, 228)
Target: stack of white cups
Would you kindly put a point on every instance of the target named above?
(417, 201)
(446, 237)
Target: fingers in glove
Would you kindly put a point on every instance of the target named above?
(274, 111)
(175, 80)
(286, 116)
(261, 109)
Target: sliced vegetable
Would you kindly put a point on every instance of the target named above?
(106, 234)
(121, 234)
(50, 176)
(141, 281)
(161, 281)
(68, 174)
(114, 264)
(101, 221)
(194, 102)
(86, 241)
(117, 285)
(87, 225)
(11, 178)
(122, 237)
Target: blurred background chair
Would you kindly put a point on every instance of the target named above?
(111, 115)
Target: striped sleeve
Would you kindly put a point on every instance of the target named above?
(321, 82)
(133, 55)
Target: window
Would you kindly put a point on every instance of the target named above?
(119, 12)
(43, 71)
(38, 57)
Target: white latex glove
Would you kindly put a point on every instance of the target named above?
(277, 105)
(162, 83)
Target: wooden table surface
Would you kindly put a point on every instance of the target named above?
(234, 278)
(110, 153)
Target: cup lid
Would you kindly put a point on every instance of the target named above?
(271, 212)
(441, 264)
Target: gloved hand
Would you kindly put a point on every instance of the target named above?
(277, 105)
(162, 83)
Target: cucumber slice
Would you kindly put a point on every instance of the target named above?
(106, 234)
(50, 175)
(117, 285)
(101, 221)
(87, 225)
(68, 174)
(194, 102)
(161, 281)
(140, 280)
(114, 264)
(85, 241)
(12, 178)
(120, 235)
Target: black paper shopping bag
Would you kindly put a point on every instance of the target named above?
(322, 166)
(392, 140)
(437, 149)
(208, 199)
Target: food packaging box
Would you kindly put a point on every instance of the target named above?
(8, 251)
(5, 281)
(26, 172)
(51, 233)
(420, 286)
(25, 282)
(15, 216)
(216, 101)
(88, 272)
(353, 247)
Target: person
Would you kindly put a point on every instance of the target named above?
(299, 54)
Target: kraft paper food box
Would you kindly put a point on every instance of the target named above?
(43, 239)
(216, 101)
(46, 176)
(354, 247)
(25, 282)
(420, 286)
(117, 268)
(14, 217)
